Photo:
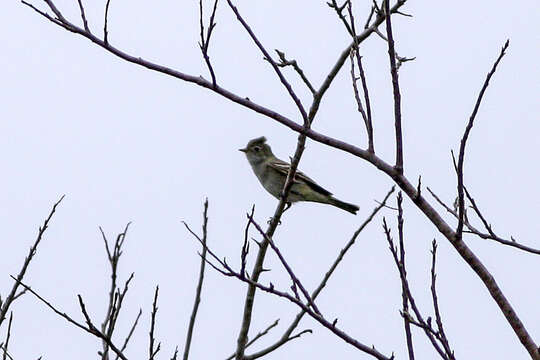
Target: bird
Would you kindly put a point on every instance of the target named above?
(272, 174)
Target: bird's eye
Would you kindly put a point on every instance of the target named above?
(257, 148)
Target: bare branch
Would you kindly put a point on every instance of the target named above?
(8, 336)
(90, 329)
(115, 297)
(438, 319)
(13, 295)
(151, 350)
(343, 57)
(340, 333)
(339, 11)
(6, 353)
(267, 56)
(480, 234)
(205, 38)
(56, 12)
(83, 16)
(257, 337)
(175, 355)
(106, 24)
(287, 334)
(430, 333)
(228, 271)
(468, 128)
(131, 331)
(395, 86)
(355, 52)
(293, 276)
(199, 284)
(245, 245)
(404, 296)
(284, 62)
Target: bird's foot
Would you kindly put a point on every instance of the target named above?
(272, 219)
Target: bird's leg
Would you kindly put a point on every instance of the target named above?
(287, 206)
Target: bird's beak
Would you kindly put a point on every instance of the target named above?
(242, 150)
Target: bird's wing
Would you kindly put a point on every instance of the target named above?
(299, 176)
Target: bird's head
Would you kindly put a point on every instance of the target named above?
(257, 150)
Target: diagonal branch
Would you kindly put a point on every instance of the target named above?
(294, 278)
(13, 295)
(339, 12)
(267, 56)
(488, 236)
(131, 331)
(287, 334)
(91, 329)
(257, 337)
(228, 271)
(284, 62)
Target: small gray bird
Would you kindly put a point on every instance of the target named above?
(272, 173)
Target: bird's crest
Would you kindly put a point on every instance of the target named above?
(257, 141)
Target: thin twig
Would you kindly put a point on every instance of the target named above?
(245, 246)
(438, 318)
(339, 11)
(131, 331)
(8, 336)
(267, 56)
(395, 86)
(468, 128)
(205, 38)
(257, 337)
(13, 294)
(115, 297)
(480, 234)
(83, 16)
(355, 52)
(284, 62)
(6, 353)
(430, 333)
(404, 296)
(106, 24)
(199, 284)
(151, 350)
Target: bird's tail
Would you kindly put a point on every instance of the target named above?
(343, 205)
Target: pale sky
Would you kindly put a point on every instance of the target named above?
(127, 144)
